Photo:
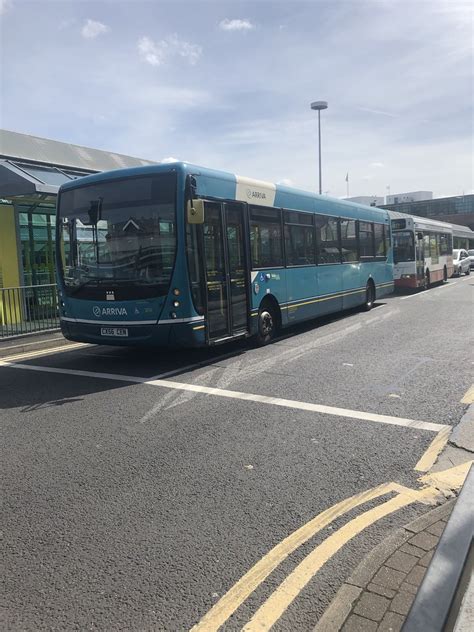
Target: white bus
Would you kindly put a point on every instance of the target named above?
(422, 250)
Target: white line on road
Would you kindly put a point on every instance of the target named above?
(430, 292)
(261, 399)
(197, 365)
(36, 342)
(27, 355)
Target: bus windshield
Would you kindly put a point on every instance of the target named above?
(403, 246)
(119, 234)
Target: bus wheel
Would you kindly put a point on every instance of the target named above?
(445, 274)
(267, 323)
(369, 296)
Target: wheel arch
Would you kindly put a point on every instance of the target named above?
(271, 301)
(370, 281)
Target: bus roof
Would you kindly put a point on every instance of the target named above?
(457, 229)
(426, 221)
(226, 185)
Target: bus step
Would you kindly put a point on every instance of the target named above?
(219, 341)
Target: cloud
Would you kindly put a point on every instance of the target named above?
(236, 25)
(287, 182)
(169, 160)
(5, 5)
(157, 53)
(382, 112)
(377, 165)
(92, 29)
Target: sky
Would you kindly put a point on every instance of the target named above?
(228, 85)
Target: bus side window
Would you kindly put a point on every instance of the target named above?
(350, 248)
(386, 238)
(379, 240)
(366, 240)
(194, 267)
(426, 245)
(327, 239)
(433, 246)
(299, 238)
(443, 250)
(265, 237)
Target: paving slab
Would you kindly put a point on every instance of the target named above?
(463, 434)
(382, 588)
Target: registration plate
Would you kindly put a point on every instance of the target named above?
(114, 331)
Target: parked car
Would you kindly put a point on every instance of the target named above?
(461, 262)
(471, 258)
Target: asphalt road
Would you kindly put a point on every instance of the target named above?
(130, 505)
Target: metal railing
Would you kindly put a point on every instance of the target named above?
(28, 309)
(438, 603)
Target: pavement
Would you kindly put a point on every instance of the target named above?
(31, 342)
(233, 488)
(379, 593)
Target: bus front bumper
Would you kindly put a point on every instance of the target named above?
(157, 335)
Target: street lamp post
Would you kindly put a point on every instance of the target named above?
(319, 105)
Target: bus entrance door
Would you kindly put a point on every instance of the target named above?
(226, 271)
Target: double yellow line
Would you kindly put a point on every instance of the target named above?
(434, 487)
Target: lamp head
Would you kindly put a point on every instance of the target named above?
(319, 105)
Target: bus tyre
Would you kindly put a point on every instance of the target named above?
(369, 297)
(267, 324)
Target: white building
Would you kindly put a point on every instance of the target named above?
(412, 196)
(368, 200)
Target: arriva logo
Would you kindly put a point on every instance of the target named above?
(251, 194)
(109, 311)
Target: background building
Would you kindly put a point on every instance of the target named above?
(412, 196)
(458, 209)
(368, 200)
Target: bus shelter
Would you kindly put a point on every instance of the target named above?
(31, 171)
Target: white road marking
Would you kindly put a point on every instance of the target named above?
(434, 290)
(28, 344)
(196, 365)
(27, 355)
(404, 298)
(261, 399)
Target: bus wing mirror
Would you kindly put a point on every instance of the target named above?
(419, 235)
(196, 212)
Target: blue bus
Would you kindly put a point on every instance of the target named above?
(181, 255)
